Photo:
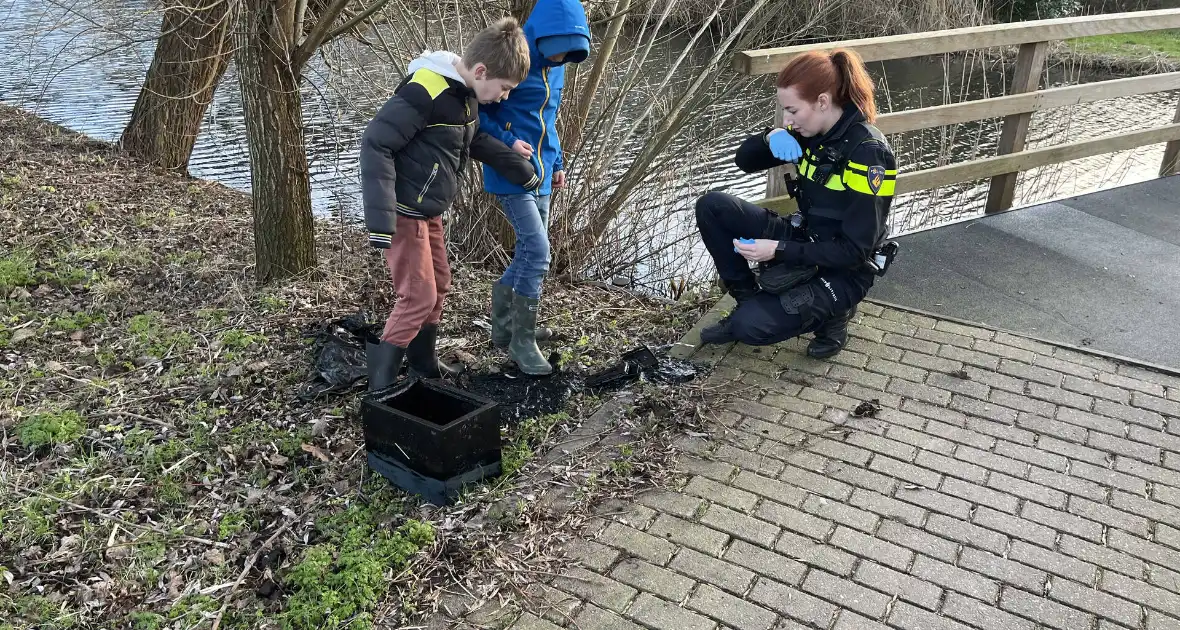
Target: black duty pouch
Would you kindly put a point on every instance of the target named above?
(778, 278)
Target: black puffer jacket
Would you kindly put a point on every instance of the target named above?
(416, 148)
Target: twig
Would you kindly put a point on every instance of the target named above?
(120, 521)
(250, 565)
(128, 414)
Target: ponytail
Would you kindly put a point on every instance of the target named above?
(840, 73)
(855, 84)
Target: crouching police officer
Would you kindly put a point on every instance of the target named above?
(817, 265)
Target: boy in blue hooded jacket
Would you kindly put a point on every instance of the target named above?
(557, 34)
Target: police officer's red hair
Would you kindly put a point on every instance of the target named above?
(841, 73)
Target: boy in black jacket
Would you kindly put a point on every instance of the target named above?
(412, 156)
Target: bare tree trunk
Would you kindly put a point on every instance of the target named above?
(284, 239)
(191, 57)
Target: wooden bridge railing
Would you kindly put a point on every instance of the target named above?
(1024, 97)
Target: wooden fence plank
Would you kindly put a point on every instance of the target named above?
(1027, 78)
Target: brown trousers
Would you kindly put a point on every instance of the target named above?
(417, 261)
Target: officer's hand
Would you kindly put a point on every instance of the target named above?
(784, 146)
(761, 250)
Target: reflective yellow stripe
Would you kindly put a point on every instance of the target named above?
(861, 168)
(860, 184)
(434, 82)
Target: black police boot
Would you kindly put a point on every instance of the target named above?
(423, 356)
(831, 336)
(385, 361)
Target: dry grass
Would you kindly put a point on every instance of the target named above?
(159, 470)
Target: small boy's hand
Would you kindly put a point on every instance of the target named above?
(559, 180)
(523, 148)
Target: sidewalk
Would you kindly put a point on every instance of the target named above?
(1004, 484)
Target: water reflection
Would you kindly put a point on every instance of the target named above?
(49, 65)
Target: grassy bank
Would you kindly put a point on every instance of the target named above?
(159, 469)
(1162, 47)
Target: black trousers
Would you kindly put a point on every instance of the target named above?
(766, 318)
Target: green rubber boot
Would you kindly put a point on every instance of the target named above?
(501, 315)
(523, 347)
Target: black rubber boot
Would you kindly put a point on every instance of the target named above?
(422, 355)
(831, 336)
(523, 348)
(385, 362)
(502, 295)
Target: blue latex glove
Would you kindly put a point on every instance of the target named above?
(785, 147)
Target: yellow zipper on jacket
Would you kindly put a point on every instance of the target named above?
(541, 115)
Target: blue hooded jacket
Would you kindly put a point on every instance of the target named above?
(530, 111)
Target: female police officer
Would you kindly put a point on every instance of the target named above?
(822, 260)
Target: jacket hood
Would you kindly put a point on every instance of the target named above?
(440, 61)
(558, 18)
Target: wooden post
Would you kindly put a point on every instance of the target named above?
(1171, 163)
(1027, 78)
(775, 186)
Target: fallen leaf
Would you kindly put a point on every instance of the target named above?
(8, 577)
(19, 293)
(234, 371)
(213, 558)
(77, 336)
(315, 451)
(22, 334)
(465, 358)
(258, 366)
(278, 460)
(54, 366)
(696, 434)
(43, 290)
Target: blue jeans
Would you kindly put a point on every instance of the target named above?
(529, 216)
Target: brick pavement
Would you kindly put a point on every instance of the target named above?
(1005, 484)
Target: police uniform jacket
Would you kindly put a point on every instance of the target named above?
(845, 187)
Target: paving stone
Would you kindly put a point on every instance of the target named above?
(706, 488)
(1095, 601)
(849, 620)
(594, 618)
(918, 391)
(1001, 431)
(1021, 402)
(961, 435)
(889, 507)
(871, 547)
(1096, 389)
(532, 622)
(1044, 611)
(1067, 367)
(897, 370)
(740, 525)
(768, 563)
(927, 360)
(648, 546)
(923, 441)
(682, 532)
(1056, 428)
(794, 519)
(731, 610)
(757, 462)
(1145, 417)
(952, 467)
(1107, 557)
(970, 357)
(1002, 569)
(957, 385)
(846, 593)
(653, 579)
(791, 602)
(1067, 483)
(942, 337)
(1017, 528)
(883, 445)
(675, 503)
(841, 513)
(918, 540)
(906, 472)
(1141, 593)
(1126, 382)
(908, 588)
(770, 488)
(1102, 475)
(910, 343)
(1128, 448)
(910, 617)
(596, 589)
(1106, 515)
(966, 533)
(1053, 562)
(594, 556)
(715, 470)
(1156, 404)
(818, 483)
(1139, 548)
(1028, 372)
(725, 575)
(859, 376)
(935, 501)
(662, 615)
(955, 579)
(1062, 521)
(1027, 490)
(982, 615)
(981, 409)
(815, 553)
(925, 411)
